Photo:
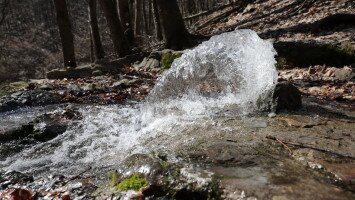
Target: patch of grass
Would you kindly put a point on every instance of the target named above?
(134, 182)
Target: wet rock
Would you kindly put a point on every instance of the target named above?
(16, 137)
(50, 125)
(28, 98)
(156, 178)
(226, 154)
(16, 132)
(142, 164)
(14, 177)
(286, 97)
(48, 129)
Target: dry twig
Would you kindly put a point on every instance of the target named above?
(300, 145)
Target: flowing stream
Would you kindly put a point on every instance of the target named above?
(231, 74)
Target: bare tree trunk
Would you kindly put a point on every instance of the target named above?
(124, 12)
(158, 32)
(66, 34)
(150, 17)
(138, 18)
(119, 40)
(97, 50)
(145, 18)
(174, 31)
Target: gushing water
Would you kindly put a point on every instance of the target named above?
(231, 73)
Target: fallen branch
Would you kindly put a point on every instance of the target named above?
(300, 145)
(281, 142)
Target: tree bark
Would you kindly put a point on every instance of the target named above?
(175, 33)
(65, 31)
(97, 49)
(138, 19)
(157, 26)
(120, 42)
(124, 13)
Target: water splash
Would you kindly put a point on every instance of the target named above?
(232, 71)
(235, 68)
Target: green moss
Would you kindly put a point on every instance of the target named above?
(12, 87)
(135, 182)
(167, 59)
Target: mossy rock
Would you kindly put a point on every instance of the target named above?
(134, 182)
(166, 181)
(13, 87)
(168, 57)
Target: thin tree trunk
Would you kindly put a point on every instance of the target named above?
(124, 12)
(150, 17)
(66, 34)
(158, 32)
(121, 44)
(145, 18)
(92, 52)
(98, 52)
(138, 18)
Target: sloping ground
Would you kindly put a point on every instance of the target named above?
(292, 20)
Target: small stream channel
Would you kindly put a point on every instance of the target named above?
(207, 110)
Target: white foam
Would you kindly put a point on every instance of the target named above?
(235, 68)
